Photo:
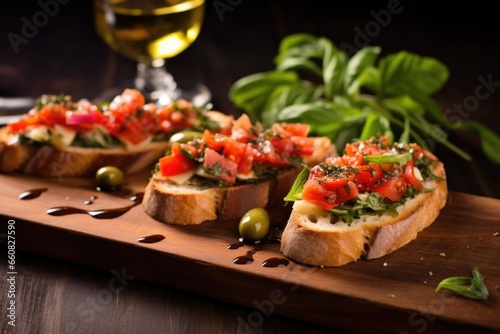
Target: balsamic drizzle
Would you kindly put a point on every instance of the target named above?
(32, 193)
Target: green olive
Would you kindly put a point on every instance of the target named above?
(109, 178)
(185, 136)
(254, 225)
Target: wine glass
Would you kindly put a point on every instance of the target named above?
(149, 31)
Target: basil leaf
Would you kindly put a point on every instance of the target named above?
(362, 60)
(320, 112)
(372, 202)
(334, 69)
(406, 73)
(252, 92)
(472, 288)
(301, 45)
(293, 64)
(295, 192)
(401, 159)
(376, 126)
(404, 103)
(284, 96)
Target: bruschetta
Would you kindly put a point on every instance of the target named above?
(220, 176)
(365, 204)
(60, 137)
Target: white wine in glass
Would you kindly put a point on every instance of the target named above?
(149, 31)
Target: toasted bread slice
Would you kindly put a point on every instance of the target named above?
(192, 205)
(314, 238)
(49, 161)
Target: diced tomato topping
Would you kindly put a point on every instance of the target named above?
(332, 179)
(148, 123)
(127, 103)
(368, 176)
(214, 141)
(132, 131)
(234, 151)
(175, 149)
(417, 151)
(52, 114)
(242, 122)
(245, 165)
(302, 146)
(347, 192)
(224, 169)
(381, 145)
(24, 124)
(315, 193)
(241, 129)
(297, 129)
(176, 163)
(266, 153)
(171, 165)
(349, 175)
(409, 175)
(177, 116)
(351, 150)
(393, 188)
(283, 145)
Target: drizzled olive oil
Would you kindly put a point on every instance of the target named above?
(159, 29)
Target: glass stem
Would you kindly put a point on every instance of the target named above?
(155, 82)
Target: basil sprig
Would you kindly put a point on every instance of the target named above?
(355, 98)
(468, 287)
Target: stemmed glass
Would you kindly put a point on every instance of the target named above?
(150, 31)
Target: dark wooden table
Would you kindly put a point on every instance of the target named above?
(64, 55)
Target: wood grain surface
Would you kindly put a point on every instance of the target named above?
(399, 286)
(55, 294)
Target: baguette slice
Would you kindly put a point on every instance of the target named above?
(311, 237)
(49, 161)
(191, 205)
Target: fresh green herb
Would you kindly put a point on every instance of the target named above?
(358, 207)
(400, 159)
(467, 287)
(95, 139)
(295, 192)
(25, 140)
(215, 169)
(46, 99)
(359, 97)
(104, 106)
(424, 165)
(264, 171)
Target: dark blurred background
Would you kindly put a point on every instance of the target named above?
(242, 36)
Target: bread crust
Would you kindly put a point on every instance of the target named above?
(314, 240)
(183, 205)
(49, 161)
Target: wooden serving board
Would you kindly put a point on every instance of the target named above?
(395, 293)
